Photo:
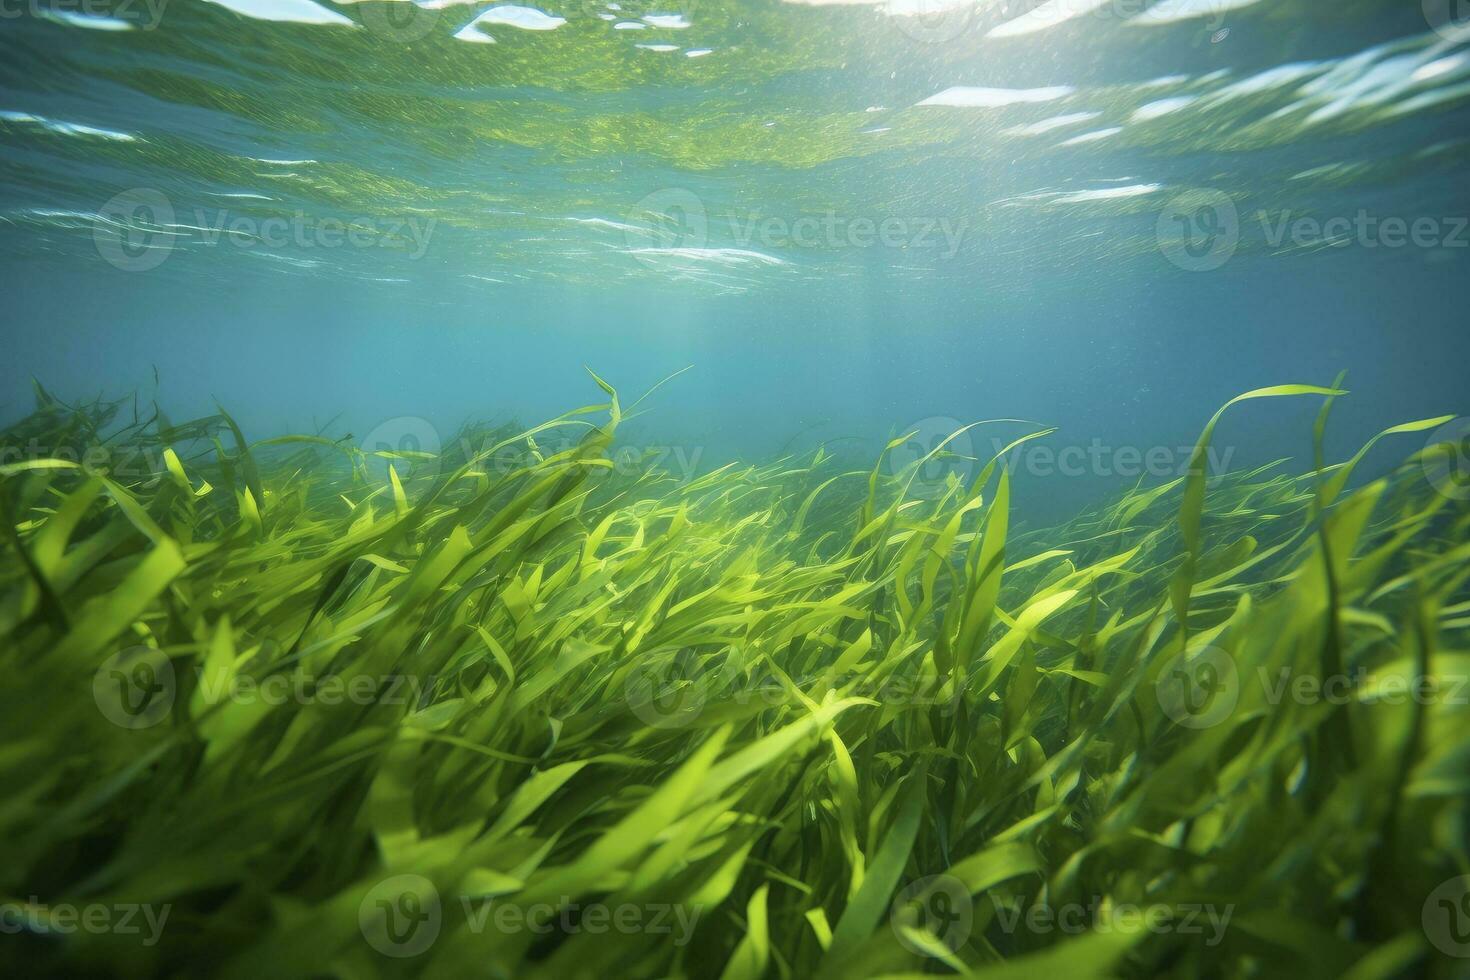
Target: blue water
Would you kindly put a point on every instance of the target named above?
(564, 197)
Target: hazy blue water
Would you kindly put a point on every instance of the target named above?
(526, 210)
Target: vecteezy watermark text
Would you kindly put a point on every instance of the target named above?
(1200, 229)
(136, 688)
(1284, 684)
(674, 224)
(939, 447)
(940, 908)
(96, 918)
(1103, 915)
(143, 14)
(1201, 688)
(402, 916)
(671, 690)
(1364, 229)
(941, 21)
(138, 229)
(831, 230)
(1099, 459)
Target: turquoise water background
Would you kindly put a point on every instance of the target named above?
(852, 220)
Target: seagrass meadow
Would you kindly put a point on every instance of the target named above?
(289, 708)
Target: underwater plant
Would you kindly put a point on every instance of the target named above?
(297, 708)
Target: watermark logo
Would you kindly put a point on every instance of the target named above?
(407, 443)
(1450, 19)
(937, 908)
(1446, 917)
(1199, 689)
(135, 688)
(953, 459)
(1446, 459)
(933, 21)
(403, 21)
(665, 224)
(401, 916)
(669, 692)
(131, 230)
(1198, 229)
